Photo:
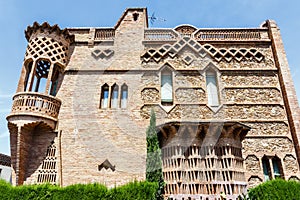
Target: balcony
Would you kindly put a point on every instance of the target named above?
(209, 35)
(36, 105)
(104, 34)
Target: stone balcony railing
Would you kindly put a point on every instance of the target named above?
(35, 104)
(253, 34)
(104, 34)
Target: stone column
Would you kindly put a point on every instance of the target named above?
(49, 78)
(31, 77)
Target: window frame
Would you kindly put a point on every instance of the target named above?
(166, 77)
(104, 91)
(212, 91)
(113, 99)
(269, 161)
(124, 90)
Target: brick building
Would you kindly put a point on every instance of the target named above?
(227, 112)
(5, 167)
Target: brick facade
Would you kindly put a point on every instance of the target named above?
(85, 94)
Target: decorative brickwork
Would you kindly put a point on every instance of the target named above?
(223, 98)
(40, 47)
(48, 171)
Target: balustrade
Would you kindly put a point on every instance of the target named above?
(35, 104)
(105, 34)
(209, 35)
(160, 34)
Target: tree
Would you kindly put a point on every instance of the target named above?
(154, 163)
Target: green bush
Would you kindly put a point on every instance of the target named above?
(135, 191)
(276, 189)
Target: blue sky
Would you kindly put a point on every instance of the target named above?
(16, 15)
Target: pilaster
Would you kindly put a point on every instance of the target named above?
(286, 83)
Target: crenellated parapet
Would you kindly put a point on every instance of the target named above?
(46, 29)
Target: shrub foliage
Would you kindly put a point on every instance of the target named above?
(134, 190)
(276, 189)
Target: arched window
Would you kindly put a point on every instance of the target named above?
(114, 96)
(54, 81)
(104, 96)
(212, 88)
(166, 86)
(124, 95)
(41, 75)
(27, 76)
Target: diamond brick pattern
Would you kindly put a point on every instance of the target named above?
(47, 47)
(228, 55)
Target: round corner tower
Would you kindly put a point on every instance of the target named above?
(33, 118)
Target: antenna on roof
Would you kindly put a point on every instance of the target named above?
(153, 18)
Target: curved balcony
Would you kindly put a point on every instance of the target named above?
(35, 104)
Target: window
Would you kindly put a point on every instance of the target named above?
(124, 95)
(277, 168)
(104, 96)
(212, 88)
(28, 73)
(114, 96)
(166, 87)
(135, 16)
(41, 75)
(266, 168)
(277, 171)
(54, 81)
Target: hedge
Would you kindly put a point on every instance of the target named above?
(134, 190)
(278, 189)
